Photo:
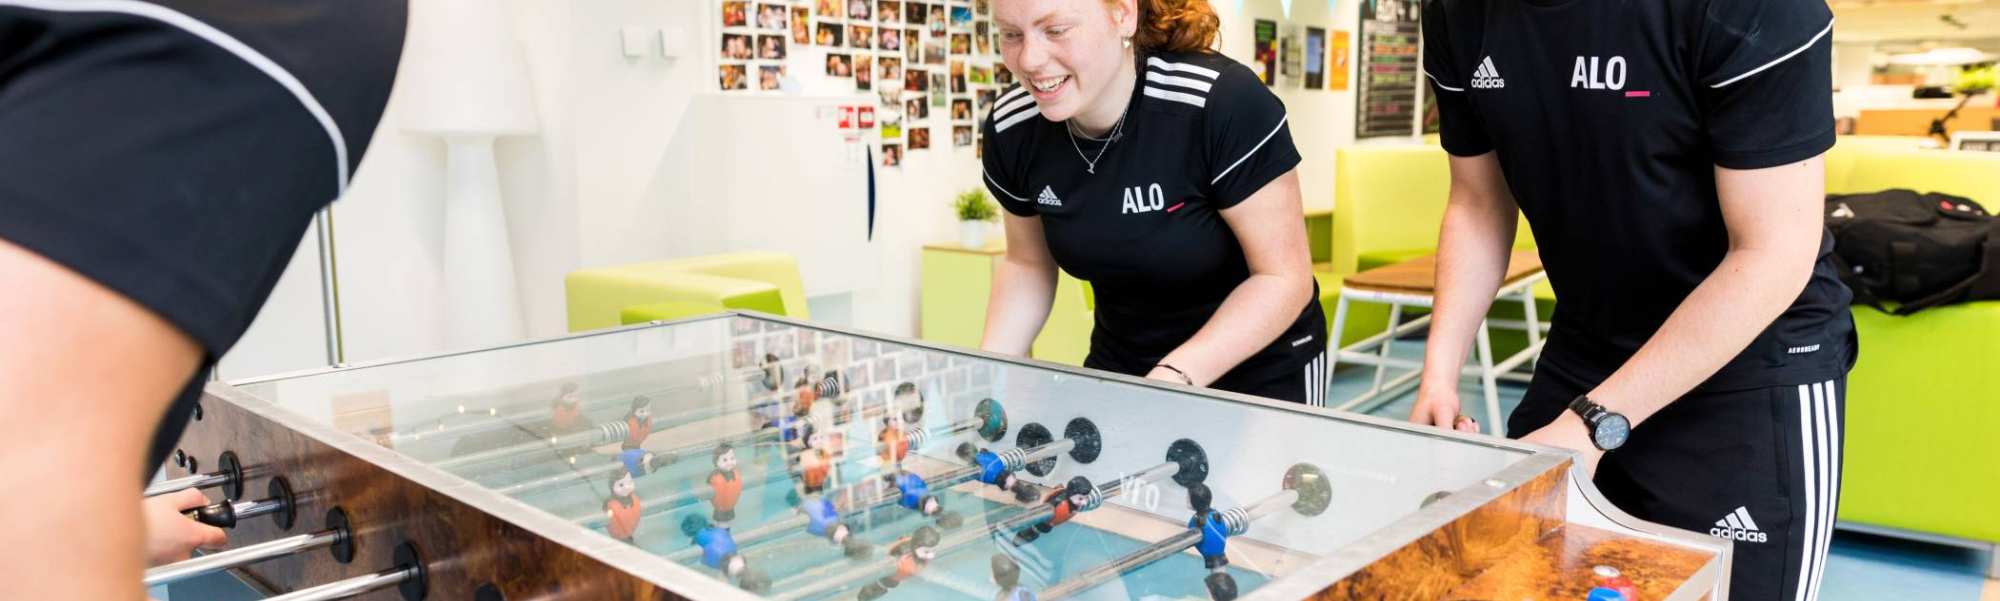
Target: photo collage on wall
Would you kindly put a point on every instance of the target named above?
(931, 64)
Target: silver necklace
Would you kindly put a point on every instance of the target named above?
(1090, 163)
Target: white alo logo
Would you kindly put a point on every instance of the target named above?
(1586, 75)
(1048, 197)
(1144, 200)
(1486, 77)
(1738, 526)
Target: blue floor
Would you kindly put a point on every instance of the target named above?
(1861, 567)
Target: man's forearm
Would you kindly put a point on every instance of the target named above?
(1254, 315)
(1739, 300)
(1017, 307)
(1473, 247)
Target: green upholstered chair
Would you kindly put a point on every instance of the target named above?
(600, 297)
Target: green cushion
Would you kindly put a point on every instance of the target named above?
(667, 311)
(758, 281)
(1923, 402)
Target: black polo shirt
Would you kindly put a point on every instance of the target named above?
(1200, 135)
(175, 151)
(1609, 118)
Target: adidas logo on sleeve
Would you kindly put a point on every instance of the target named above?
(1486, 77)
(1738, 526)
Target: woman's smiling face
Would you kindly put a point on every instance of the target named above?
(1066, 52)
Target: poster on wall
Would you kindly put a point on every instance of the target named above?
(1266, 51)
(1387, 101)
(1291, 56)
(1315, 58)
(1336, 62)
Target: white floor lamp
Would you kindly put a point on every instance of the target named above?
(470, 88)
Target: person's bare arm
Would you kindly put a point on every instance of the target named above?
(85, 375)
(1774, 222)
(1270, 225)
(1473, 246)
(1024, 285)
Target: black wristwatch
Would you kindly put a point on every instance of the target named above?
(1607, 430)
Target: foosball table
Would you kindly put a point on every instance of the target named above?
(747, 457)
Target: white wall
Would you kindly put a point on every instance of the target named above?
(623, 169)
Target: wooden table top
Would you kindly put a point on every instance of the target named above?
(1419, 275)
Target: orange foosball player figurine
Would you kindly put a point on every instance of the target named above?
(726, 484)
(816, 463)
(623, 507)
(566, 413)
(638, 422)
(893, 444)
(912, 554)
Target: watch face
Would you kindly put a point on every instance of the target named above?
(1612, 431)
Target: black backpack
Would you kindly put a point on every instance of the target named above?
(1918, 250)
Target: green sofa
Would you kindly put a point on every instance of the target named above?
(602, 297)
(1923, 400)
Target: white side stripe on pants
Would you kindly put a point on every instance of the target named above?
(1315, 375)
(1819, 460)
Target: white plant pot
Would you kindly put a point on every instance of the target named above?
(972, 234)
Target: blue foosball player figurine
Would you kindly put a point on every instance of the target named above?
(1214, 542)
(718, 552)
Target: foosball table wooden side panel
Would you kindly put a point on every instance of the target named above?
(465, 548)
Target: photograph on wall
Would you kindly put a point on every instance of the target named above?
(735, 13)
(829, 8)
(916, 13)
(1315, 58)
(892, 154)
(916, 80)
(889, 12)
(920, 138)
(937, 89)
(979, 75)
(912, 46)
(732, 77)
(864, 72)
(934, 50)
(961, 17)
(961, 135)
(839, 65)
(832, 35)
(890, 40)
(983, 7)
(860, 10)
(1001, 76)
(771, 47)
(982, 36)
(1337, 62)
(1265, 49)
(958, 77)
(768, 76)
(892, 127)
(961, 109)
(861, 36)
(915, 111)
(961, 44)
(801, 28)
(771, 17)
(889, 70)
(936, 20)
(891, 95)
(986, 98)
(736, 46)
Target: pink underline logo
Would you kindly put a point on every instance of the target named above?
(1177, 206)
(1639, 94)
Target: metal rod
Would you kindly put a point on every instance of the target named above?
(235, 558)
(962, 538)
(329, 285)
(249, 509)
(186, 482)
(1238, 520)
(350, 587)
(600, 434)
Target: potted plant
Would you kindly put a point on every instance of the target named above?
(976, 215)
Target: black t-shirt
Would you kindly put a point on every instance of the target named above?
(1608, 119)
(175, 151)
(1201, 134)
